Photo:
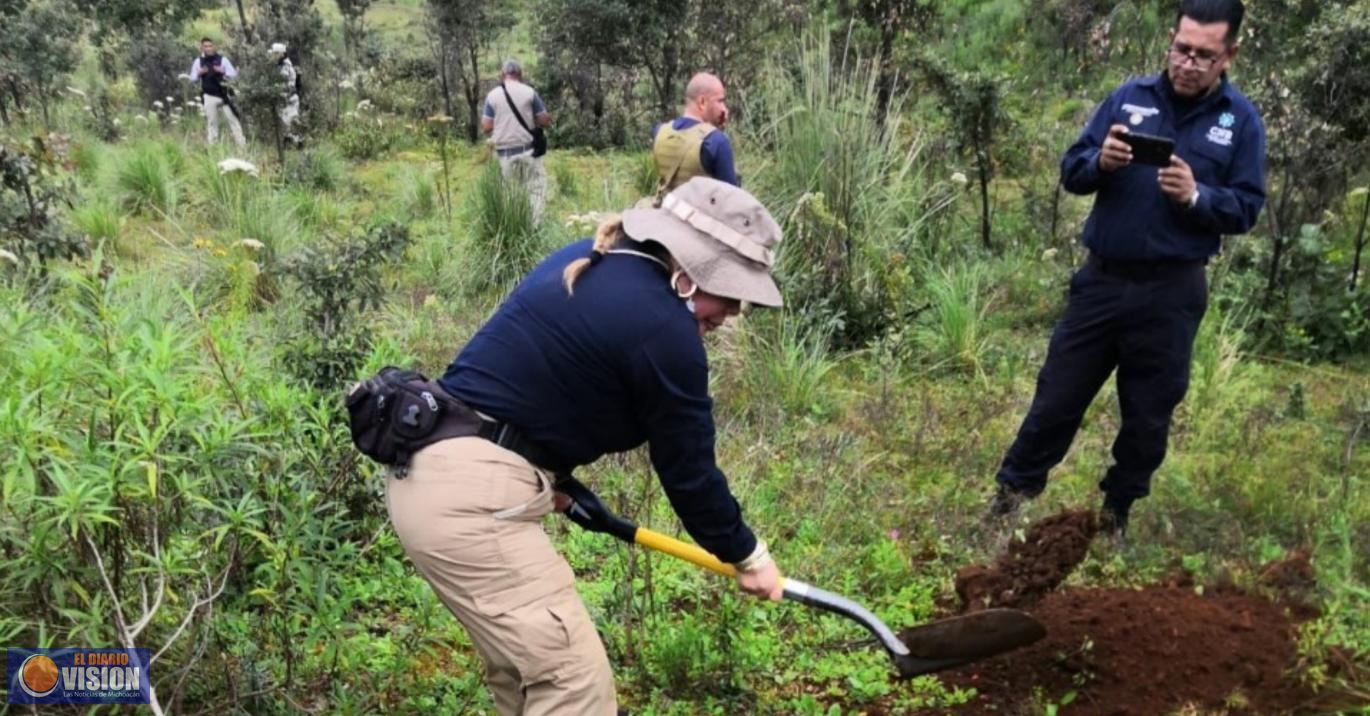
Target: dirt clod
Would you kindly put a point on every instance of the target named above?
(1031, 567)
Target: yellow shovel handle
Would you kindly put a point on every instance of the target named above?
(688, 552)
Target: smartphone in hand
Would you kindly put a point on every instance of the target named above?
(1149, 149)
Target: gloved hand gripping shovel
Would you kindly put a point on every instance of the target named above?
(938, 645)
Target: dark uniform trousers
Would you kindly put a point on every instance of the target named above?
(1137, 318)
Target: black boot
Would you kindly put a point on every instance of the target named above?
(1005, 503)
(1113, 518)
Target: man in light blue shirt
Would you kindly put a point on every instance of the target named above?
(211, 69)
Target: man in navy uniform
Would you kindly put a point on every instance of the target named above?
(1136, 304)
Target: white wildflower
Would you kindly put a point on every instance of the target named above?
(117, 122)
(234, 166)
(346, 84)
(959, 178)
(364, 104)
(252, 244)
(170, 100)
(157, 104)
(1049, 254)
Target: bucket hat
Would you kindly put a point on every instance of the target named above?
(721, 235)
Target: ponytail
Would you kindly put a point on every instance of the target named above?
(607, 236)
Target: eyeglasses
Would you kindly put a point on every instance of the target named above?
(1203, 59)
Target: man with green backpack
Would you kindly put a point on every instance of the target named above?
(694, 144)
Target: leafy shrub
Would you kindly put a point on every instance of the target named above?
(365, 134)
(157, 59)
(338, 279)
(31, 226)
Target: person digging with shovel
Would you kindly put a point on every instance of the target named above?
(598, 350)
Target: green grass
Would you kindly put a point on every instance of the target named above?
(955, 333)
(146, 178)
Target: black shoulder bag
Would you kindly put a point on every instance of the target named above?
(539, 137)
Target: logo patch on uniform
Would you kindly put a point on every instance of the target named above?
(1138, 114)
(1220, 136)
(1226, 120)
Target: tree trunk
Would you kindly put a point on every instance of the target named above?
(242, 22)
(445, 81)
(1360, 241)
(982, 167)
(884, 84)
(471, 87)
(1055, 213)
(1278, 220)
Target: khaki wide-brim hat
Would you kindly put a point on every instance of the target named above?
(722, 236)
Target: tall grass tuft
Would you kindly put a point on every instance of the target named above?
(88, 159)
(644, 175)
(242, 206)
(784, 366)
(567, 182)
(99, 219)
(146, 178)
(322, 168)
(314, 210)
(420, 194)
(504, 242)
(851, 192)
(1219, 380)
(954, 333)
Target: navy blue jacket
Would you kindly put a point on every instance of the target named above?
(1222, 139)
(617, 364)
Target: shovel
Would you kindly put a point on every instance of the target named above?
(938, 645)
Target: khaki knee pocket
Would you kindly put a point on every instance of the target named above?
(543, 637)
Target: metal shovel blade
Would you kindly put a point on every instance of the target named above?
(952, 642)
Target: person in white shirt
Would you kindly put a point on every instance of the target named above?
(211, 70)
(513, 142)
(290, 111)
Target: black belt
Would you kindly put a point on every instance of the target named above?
(1144, 270)
(512, 439)
(460, 420)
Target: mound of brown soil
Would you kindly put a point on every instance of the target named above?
(1031, 567)
(1147, 652)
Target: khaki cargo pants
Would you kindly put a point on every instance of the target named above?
(468, 514)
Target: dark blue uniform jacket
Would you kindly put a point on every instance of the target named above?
(617, 364)
(1222, 139)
